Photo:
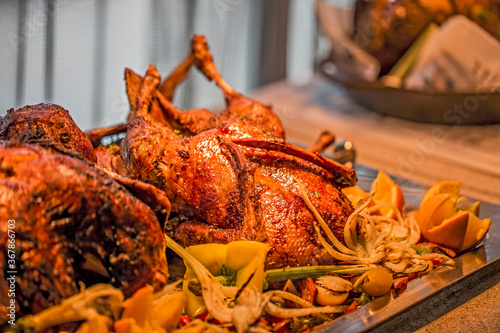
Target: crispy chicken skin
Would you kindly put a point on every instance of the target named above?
(73, 224)
(231, 175)
(47, 125)
(232, 186)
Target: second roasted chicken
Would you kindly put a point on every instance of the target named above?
(234, 176)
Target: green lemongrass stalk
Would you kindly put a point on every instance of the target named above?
(401, 69)
(283, 274)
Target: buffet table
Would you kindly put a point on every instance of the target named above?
(423, 153)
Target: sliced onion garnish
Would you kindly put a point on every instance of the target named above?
(334, 283)
(443, 258)
(350, 226)
(353, 259)
(371, 232)
(395, 246)
(397, 267)
(322, 223)
(372, 239)
(416, 266)
(398, 234)
(307, 308)
(414, 230)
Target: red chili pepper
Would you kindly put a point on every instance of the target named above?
(184, 320)
(414, 276)
(308, 290)
(215, 321)
(450, 253)
(203, 315)
(400, 285)
(437, 262)
(284, 329)
(264, 321)
(352, 307)
(280, 325)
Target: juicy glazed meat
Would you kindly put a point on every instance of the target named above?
(236, 178)
(73, 224)
(108, 157)
(47, 125)
(178, 123)
(233, 186)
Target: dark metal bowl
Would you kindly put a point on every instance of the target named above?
(438, 108)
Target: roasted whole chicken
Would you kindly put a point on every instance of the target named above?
(231, 175)
(72, 222)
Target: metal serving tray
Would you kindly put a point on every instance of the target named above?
(438, 286)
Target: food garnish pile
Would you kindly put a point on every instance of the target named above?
(272, 237)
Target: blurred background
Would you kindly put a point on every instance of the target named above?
(73, 53)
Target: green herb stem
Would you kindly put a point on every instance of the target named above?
(406, 62)
(282, 274)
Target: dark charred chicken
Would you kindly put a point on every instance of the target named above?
(72, 223)
(232, 175)
(47, 125)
